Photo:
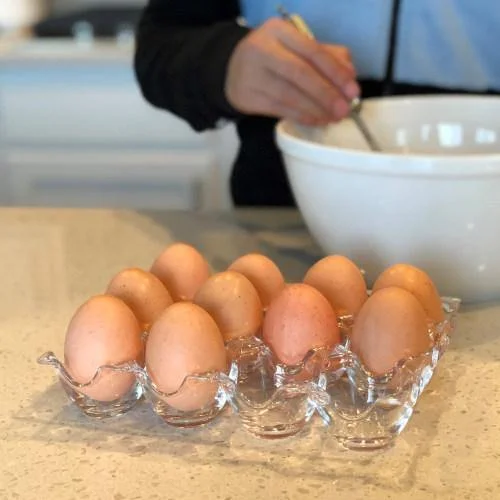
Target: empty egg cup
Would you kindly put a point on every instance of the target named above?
(92, 407)
(444, 330)
(162, 403)
(272, 400)
(369, 412)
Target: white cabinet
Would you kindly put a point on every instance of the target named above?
(177, 181)
(56, 104)
(75, 131)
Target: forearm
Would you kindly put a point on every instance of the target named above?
(182, 56)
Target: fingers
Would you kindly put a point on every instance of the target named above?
(264, 104)
(277, 71)
(316, 55)
(268, 94)
(300, 74)
(289, 96)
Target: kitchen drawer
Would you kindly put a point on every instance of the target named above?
(180, 181)
(84, 105)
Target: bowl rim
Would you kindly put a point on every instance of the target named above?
(414, 162)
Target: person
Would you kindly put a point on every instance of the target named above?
(213, 61)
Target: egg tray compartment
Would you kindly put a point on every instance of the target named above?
(273, 400)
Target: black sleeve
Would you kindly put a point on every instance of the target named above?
(182, 51)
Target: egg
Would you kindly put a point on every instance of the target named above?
(299, 319)
(182, 269)
(340, 281)
(185, 340)
(417, 282)
(103, 331)
(233, 302)
(263, 273)
(143, 292)
(390, 327)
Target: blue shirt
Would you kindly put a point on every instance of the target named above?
(444, 43)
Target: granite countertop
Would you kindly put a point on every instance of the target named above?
(52, 260)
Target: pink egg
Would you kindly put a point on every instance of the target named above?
(182, 269)
(185, 340)
(391, 327)
(263, 273)
(298, 320)
(233, 302)
(143, 292)
(103, 331)
(340, 281)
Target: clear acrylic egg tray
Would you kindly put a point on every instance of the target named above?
(271, 400)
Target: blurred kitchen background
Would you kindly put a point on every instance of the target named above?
(74, 128)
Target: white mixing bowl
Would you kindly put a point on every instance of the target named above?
(432, 198)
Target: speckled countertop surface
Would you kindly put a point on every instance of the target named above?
(52, 260)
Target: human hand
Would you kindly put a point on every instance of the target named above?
(278, 71)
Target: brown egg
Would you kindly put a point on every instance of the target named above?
(390, 327)
(184, 341)
(233, 302)
(103, 331)
(263, 273)
(143, 292)
(417, 282)
(340, 281)
(299, 319)
(182, 269)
